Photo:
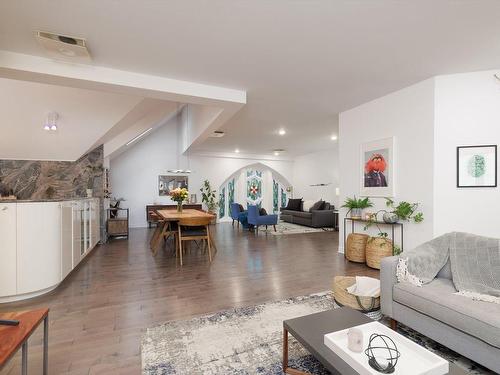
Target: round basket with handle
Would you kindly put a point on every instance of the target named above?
(343, 298)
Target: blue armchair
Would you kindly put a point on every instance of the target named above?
(235, 213)
(255, 219)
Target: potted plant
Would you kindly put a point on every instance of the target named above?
(209, 197)
(179, 195)
(402, 211)
(356, 206)
(92, 172)
(114, 204)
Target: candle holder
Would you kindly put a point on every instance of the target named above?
(382, 353)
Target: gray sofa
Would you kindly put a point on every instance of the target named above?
(471, 328)
(324, 218)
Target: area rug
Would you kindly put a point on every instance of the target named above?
(247, 341)
(284, 228)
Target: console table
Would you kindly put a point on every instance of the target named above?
(392, 225)
(151, 208)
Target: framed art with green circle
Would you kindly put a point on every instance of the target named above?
(477, 166)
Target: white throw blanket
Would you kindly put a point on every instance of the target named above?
(365, 287)
(475, 264)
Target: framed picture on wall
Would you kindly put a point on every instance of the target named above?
(377, 168)
(477, 166)
(167, 183)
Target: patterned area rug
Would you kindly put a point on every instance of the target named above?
(248, 341)
(283, 228)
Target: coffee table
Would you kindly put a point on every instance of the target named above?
(309, 331)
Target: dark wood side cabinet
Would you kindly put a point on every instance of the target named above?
(150, 208)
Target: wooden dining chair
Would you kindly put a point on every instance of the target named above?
(192, 229)
(163, 231)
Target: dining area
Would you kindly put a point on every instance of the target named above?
(181, 229)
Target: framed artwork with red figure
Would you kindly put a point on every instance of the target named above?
(377, 168)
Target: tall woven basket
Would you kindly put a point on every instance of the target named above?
(376, 249)
(355, 247)
(344, 298)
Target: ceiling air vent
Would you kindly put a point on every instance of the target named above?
(63, 47)
(217, 134)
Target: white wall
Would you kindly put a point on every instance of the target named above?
(467, 108)
(407, 115)
(321, 167)
(134, 173)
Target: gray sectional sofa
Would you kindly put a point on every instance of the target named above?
(324, 218)
(471, 328)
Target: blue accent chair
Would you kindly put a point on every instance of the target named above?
(256, 220)
(235, 213)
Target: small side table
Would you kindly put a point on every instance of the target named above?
(117, 222)
(14, 337)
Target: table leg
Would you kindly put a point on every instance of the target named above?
(286, 369)
(46, 345)
(285, 349)
(24, 360)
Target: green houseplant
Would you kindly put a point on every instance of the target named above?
(355, 206)
(209, 197)
(404, 211)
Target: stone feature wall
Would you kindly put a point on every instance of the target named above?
(30, 179)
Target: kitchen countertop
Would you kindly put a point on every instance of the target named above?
(44, 200)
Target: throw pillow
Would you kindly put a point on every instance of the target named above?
(317, 206)
(262, 212)
(294, 204)
(306, 205)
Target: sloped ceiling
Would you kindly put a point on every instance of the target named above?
(84, 117)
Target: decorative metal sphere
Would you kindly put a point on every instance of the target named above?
(390, 217)
(382, 353)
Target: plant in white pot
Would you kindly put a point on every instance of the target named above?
(356, 206)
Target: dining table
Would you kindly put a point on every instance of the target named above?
(169, 216)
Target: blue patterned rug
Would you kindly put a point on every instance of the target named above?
(248, 340)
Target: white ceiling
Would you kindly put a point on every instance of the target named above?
(84, 116)
(301, 62)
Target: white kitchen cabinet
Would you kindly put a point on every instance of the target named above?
(8, 240)
(66, 238)
(38, 246)
(95, 223)
(77, 233)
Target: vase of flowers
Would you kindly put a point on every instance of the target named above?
(179, 195)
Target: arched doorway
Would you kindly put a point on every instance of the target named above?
(255, 184)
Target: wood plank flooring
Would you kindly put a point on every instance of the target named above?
(99, 313)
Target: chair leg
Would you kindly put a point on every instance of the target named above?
(208, 243)
(180, 244)
(274, 226)
(256, 229)
(233, 223)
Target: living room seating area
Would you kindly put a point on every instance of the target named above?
(318, 214)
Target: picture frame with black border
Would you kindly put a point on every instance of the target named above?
(477, 166)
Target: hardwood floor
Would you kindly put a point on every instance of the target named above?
(99, 313)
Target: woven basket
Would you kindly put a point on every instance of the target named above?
(344, 298)
(376, 249)
(355, 247)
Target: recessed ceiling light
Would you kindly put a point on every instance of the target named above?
(282, 132)
(333, 137)
(237, 151)
(278, 151)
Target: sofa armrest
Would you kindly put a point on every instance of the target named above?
(387, 281)
(322, 218)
